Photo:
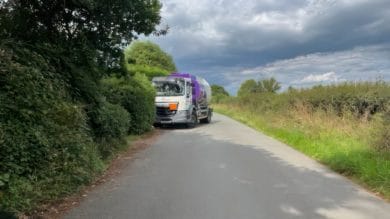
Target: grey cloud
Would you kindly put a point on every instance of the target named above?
(220, 38)
(359, 64)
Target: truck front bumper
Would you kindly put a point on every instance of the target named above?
(180, 117)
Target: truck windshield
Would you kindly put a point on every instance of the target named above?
(168, 88)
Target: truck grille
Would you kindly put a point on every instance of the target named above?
(164, 111)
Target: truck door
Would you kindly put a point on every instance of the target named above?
(188, 95)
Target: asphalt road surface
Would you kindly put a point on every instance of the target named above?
(226, 170)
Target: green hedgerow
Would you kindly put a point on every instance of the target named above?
(136, 95)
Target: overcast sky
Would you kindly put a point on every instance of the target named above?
(299, 42)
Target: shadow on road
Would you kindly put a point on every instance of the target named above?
(183, 126)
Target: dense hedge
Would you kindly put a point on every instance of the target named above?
(57, 129)
(110, 123)
(364, 101)
(361, 99)
(44, 135)
(55, 135)
(136, 95)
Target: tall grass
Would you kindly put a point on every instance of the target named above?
(343, 126)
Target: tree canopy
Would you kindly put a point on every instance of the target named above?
(100, 25)
(266, 85)
(148, 58)
(59, 120)
(218, 90)
(247, 87)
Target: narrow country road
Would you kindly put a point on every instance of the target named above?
(225, 170)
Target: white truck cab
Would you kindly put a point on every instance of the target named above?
(176, 101)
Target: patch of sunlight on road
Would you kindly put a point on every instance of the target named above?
(223, 128)
(354, 210)
(290, 210)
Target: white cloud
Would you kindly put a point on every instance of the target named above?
(326, 77)
(296, 41)
(358, 64)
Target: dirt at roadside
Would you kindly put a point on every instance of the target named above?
(58, 208)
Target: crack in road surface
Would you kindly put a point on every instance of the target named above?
(227, 170)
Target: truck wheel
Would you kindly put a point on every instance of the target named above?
(208, 118)
(194, 120)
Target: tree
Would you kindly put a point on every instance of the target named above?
(219, 93)
(268, 85)
(218, 90)
(82, 39)
(249, 86)
(148, 57)
(262, 86)
(54, 116)
(100, 25)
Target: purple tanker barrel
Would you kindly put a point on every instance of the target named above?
(201, 91)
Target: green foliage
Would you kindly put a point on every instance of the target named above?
(382, 133)
(147, 57)
(218, 93)
(110, 124)
(218, 90)
(343, 152)
(362, 99)
(149, 71)
(43, 133)
(55, 126)
(267, 85)
(95, 24)
(262, 86)
(345, 126)
(247, 87)
(136, 95)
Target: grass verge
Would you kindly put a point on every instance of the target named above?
(340, 143)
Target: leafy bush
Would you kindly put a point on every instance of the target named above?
(361, 99)
(110, 124)
(350, 101)
(218, 93)
(136, 95)
(149, 71)
(43, 134)
(111, 121)
(48, 81)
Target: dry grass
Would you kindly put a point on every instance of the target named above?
(341, 142)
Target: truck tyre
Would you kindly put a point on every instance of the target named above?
(208, 118)
(194, 120)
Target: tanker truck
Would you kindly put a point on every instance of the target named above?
(182, 98)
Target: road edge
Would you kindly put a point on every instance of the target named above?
(58, 208)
